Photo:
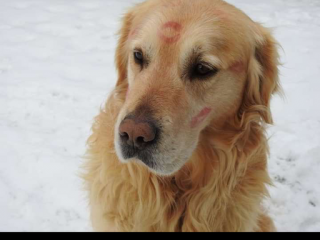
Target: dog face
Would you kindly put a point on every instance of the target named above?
(186, 66)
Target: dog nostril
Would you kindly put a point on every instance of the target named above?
(135, 134)
(140, 140)
(124, 136)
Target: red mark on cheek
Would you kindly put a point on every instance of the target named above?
(238, 67)
(170, 32)
(197, 120)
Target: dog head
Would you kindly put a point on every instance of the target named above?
(187, 65)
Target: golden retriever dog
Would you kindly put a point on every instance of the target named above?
(180, 145)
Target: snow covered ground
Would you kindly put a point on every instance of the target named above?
(56, 69)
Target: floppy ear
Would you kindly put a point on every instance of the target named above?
(263, 78)
(128, 30)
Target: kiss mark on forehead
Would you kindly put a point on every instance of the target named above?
(197, 120)
(170, 32)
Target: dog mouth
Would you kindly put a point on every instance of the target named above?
(160, 162)
(146, 156)
(143, 138)
(150, 155)
(138, 137)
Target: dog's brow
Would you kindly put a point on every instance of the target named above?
(198, 53)
(170, 32)
(213, 60)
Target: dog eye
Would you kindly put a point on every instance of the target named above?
(202, 70)
(138, 57)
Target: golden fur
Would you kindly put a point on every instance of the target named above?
(221, 186)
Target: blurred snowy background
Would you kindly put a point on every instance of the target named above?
(56, 70)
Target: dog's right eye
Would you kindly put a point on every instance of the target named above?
(138, 57)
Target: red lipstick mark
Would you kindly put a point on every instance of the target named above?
(238, 67)
(170, 32)
(127, 93)
(197, 120)
(133, 33)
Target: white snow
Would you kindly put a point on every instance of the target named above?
(56, 70)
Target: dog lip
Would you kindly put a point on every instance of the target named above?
(128, 152)
(148, 162)
(135, 153)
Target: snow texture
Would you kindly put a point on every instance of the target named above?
(56, 70)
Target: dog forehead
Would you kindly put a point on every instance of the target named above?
(178, 23)
(185, 26)
(171, 31)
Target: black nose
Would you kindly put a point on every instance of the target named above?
(137, 134)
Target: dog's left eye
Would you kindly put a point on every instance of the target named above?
(202, 70)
